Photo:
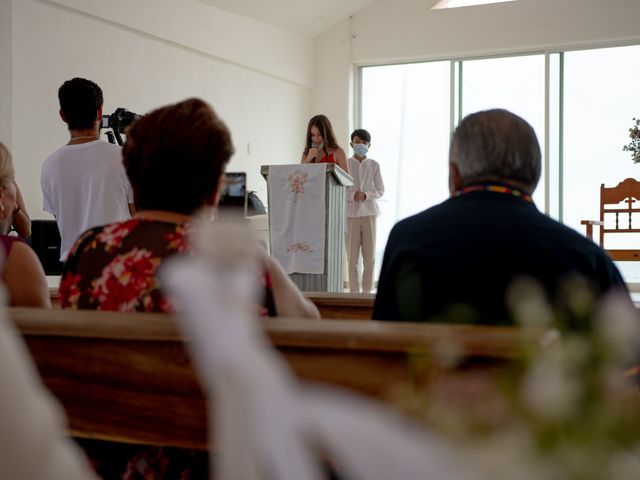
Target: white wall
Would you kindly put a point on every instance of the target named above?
(6, 69)
(392, 31)
(152, 52)
(334, 77)
(199, 26)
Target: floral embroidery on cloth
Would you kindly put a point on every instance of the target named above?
(297, 199)
(299, 247)
(297, 180)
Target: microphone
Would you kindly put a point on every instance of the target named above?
(313, 145)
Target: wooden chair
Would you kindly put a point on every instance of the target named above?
(611, 204)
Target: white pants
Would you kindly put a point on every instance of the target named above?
(361, 234)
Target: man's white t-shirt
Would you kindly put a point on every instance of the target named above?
(85, 186)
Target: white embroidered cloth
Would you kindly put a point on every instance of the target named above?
(297, 211)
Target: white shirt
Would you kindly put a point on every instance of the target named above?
(85, 186)
(367, 179)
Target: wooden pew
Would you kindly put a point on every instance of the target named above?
(127, 377)
(344, 306)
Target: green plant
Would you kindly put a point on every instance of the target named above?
(634, 145)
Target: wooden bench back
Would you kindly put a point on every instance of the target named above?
(127, 377)
(343, 306)
(620, 217)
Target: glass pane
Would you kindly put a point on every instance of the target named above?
(406, 110)
(554, 208)
(600, 103)
(513, 83)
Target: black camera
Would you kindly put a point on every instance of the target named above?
(118, 121)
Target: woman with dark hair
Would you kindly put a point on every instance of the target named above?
(321, 145)
(174, 158)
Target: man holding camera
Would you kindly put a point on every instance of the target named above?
(84, 183)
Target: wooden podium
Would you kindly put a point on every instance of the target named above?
(332, 280)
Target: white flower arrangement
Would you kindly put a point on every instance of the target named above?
(570, 411)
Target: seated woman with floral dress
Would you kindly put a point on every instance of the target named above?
(174, 158)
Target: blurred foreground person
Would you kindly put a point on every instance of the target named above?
(34, 443)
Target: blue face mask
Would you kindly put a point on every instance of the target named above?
(360, 149)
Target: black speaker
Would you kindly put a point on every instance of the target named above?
(45, 241)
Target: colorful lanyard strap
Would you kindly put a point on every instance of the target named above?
(495, 188)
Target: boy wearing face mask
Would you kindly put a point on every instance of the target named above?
(362, 210)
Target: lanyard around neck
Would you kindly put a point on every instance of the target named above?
(496, 188)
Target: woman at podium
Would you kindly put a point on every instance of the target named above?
(321, 145)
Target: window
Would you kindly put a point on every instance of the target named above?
(600, 88)
(579, 103)
(513, 83)
(406, 110)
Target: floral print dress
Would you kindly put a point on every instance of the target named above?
(114, 267)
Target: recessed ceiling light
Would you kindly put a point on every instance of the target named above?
(464, 3)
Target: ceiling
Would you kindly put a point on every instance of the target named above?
(305, 17)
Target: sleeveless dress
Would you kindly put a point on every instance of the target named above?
(328, 159)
